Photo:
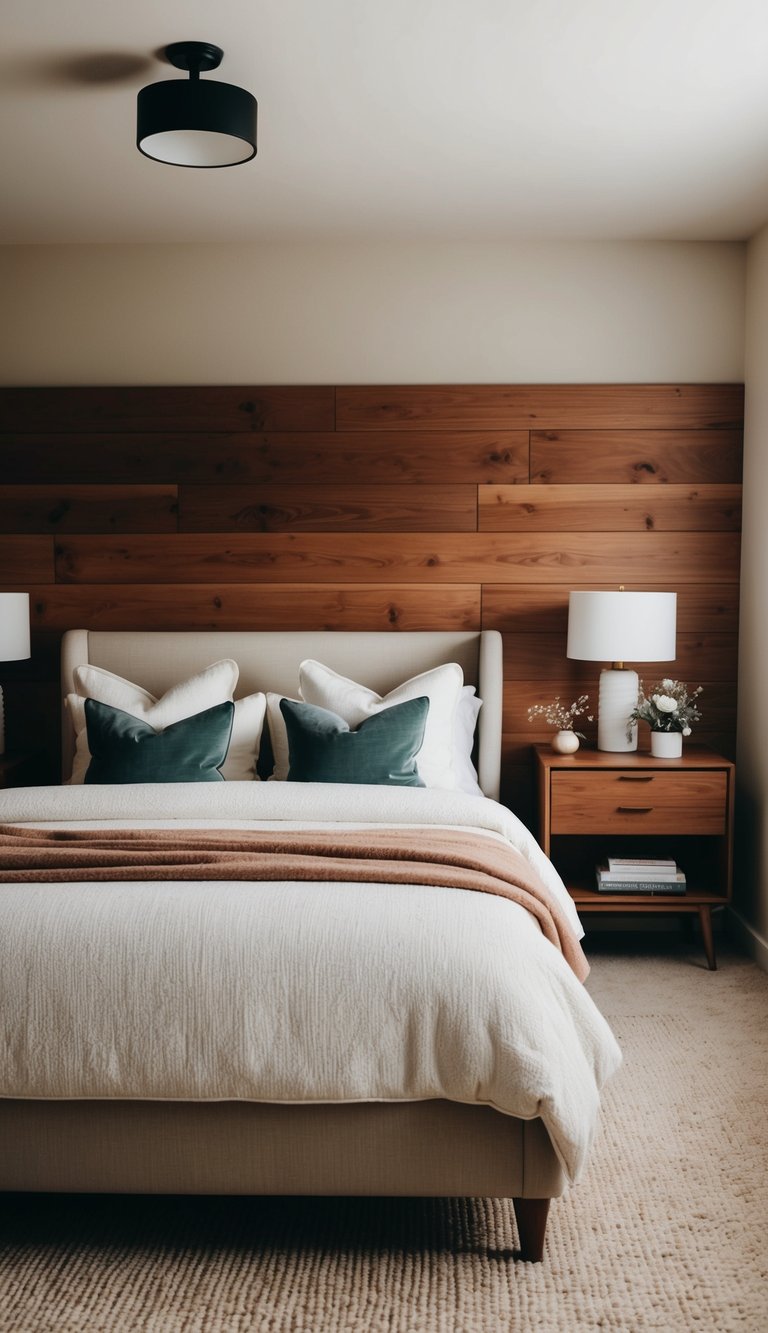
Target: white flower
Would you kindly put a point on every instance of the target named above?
(667, 684)
(686, 731)
(664, 703)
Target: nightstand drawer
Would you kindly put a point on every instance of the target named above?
(639, 802)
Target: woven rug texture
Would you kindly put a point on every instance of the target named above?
(667, 1231)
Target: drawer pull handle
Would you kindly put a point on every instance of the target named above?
(626, 777)
(633, 809)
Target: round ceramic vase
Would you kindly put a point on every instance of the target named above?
(565, 742)
(666, 744)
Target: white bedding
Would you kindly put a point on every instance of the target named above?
(288, 992)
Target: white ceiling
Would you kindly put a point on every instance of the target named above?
(396, 118)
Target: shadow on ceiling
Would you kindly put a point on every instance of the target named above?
(96, 68)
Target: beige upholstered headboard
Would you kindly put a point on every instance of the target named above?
(270, 661)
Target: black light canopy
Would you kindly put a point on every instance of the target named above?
(196, 123)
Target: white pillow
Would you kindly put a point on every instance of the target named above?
(278, 736)
(464, 723)
(442, 686)
(212, 686)
(247, 726)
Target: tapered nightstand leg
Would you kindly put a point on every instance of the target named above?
(705, 921)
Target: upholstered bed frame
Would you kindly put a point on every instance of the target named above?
(412, 1148)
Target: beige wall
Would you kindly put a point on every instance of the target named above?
(752, 846)
(385, 313)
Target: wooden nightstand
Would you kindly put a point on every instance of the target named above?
(593, 804)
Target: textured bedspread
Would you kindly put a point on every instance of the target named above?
(448, 858)
(293, 991)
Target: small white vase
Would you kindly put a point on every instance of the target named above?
(565, 742)
(666, 744)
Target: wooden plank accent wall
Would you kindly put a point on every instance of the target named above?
(370, 507)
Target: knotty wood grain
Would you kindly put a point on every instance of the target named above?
(25, 559)
(717, 704)
(614, 508)
(545, 607)
(213, 458)
(307, 508)
(367, 521)
(699, 657)
(250, 607)
(539, 406)
(184, 407)
(88, 508)
(414, 557)
(660, 457)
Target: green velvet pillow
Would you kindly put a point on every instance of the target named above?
(381, 751)
(125, 749)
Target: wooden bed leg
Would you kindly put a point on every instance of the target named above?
(705, 921)
(531, 1218)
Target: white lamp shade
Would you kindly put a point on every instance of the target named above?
(622, 626)
(14, 626)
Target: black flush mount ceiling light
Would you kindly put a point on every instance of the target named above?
(196, 123)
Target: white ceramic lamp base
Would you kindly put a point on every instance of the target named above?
(617, 698)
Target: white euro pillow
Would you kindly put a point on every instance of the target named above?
(278, 735)
(442, 686)
(214, 685)
(464, 723)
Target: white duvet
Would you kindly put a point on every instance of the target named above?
(288, 992)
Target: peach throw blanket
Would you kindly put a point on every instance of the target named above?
(443, 857)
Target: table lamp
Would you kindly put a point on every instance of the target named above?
(618, 627)
(14, 639)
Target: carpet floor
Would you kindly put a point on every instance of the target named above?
(668, 1230)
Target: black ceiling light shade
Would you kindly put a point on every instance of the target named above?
(196, 122)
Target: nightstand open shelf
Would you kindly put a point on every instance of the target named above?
(594, 804)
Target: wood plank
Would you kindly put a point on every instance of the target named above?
(168, 407)
(316, 457)
(544, 608)
(371, 526)
(307, 508)
(717, 706)
(262, 606)
(25, 559)
(539, 406)
(656, 457)
(712, 657)
(88, 508)
(415, 558)
(611, 508)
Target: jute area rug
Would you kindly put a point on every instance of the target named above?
(667, 1231)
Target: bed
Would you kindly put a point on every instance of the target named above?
(340, 1038)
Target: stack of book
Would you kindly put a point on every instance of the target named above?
(640, 875)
